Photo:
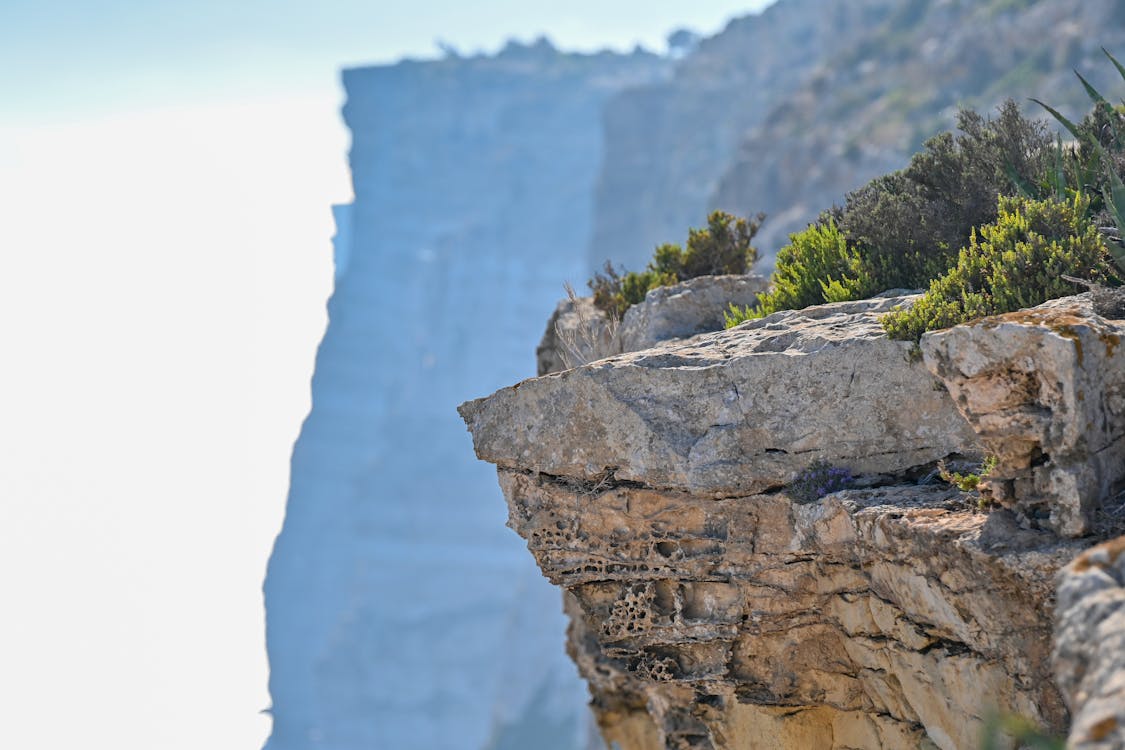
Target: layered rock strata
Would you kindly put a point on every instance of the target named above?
(733, 412)
(887, 617)
(1045, 390)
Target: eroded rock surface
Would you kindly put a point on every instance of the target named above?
(881, 618)
(713, 608)
(733, 412)
(1045, 390)
(578, 332)
(686, 309)
(1090, 646)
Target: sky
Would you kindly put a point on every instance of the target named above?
(166, 177)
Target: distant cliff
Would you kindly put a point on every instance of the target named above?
(786, 111)
(400, 612)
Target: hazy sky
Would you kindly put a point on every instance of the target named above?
(88, 56)
(166, 172)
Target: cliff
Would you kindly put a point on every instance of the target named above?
(786, 111)
(400, 614)
(720, 599)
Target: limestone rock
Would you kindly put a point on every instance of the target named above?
(578, 332)
(733, 412)
(1089, 653)
(879, 618)
(1045, 390)
(685, 309)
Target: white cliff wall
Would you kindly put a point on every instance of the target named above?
(401, 613)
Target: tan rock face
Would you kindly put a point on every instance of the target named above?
(1090, 646)
(1045, 390)
(879, 618)
(712, 610)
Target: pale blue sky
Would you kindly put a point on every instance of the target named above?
(66, 58)
(166, 173)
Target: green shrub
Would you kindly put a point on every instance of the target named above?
(906, 228)
(812, 256)
(909, 226)
(970, 480)
(1016, 262)
(724, 247)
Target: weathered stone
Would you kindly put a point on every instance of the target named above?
(879, 618)
(733, 412)
(710, 610)
(578, 332)
(686, 309)
(1089, 653)
(1045, 391)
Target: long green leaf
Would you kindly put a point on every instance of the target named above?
(1023, 187)
(1115, 202)
(1060, 172)
(1091, 91)
(1062, 119)
(1112, 59)
(1097, 98)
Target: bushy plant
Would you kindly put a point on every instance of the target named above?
(816, 481)
(1015, 262)
(970, 480)
(904, 229)
(807, 270)
(908, 226)
(723, 247)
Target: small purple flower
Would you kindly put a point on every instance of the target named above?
(818, 480)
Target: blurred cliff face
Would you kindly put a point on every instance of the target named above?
(401, 612)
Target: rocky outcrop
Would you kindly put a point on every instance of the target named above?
(1045, 390)
(578, 332)
(1090, 646)
(716, 604)
(889, 617)
(685, 309)
(731, 412)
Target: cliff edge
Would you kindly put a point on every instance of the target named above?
(719, 598)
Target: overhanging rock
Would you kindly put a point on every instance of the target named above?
(732, 412)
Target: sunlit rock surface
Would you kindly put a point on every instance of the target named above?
(715, 606)
(401, 614)
(1045, 390)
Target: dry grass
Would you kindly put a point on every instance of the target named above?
(593, 336)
